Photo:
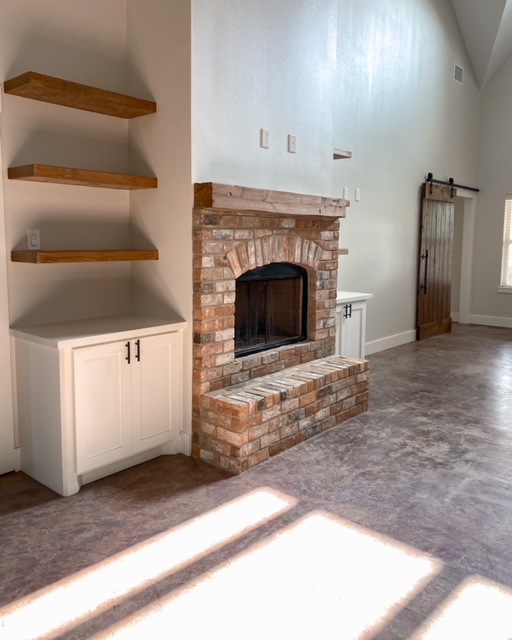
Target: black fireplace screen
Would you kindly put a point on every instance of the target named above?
(270, 307)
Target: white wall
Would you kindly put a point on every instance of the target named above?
(264, 64)
(139, 47)
(85, 42)
(401, 113)
(9, 457)
(386, 93)
(159, 35)
(372, 76)
(68, 40)
(495, 181)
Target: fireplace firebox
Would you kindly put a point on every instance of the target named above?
(271, 307)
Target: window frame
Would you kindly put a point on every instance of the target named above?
(505, 285)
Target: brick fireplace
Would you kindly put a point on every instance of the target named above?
(251, 407)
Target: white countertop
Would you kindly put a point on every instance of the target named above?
(80, 333)
(343, 297)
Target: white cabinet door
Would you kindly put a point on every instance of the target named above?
(352, 330)
(155, 390)
(102, 381)
(127, 398)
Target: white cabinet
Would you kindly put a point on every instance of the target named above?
(96, 396)
(351, 323)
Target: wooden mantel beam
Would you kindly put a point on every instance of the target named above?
(211, 195)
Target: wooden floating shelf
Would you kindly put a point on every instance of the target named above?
(80, 177)
(341, 154)
(61, 257)
(38, 86)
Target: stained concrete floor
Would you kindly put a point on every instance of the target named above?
(396, 524)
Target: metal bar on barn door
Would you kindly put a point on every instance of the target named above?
(451, 183)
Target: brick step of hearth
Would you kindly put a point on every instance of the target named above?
(247, 423)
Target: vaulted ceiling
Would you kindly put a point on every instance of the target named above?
(487, 29)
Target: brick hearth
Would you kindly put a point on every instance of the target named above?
(246, 409)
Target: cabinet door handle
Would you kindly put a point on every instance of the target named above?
(127, 357)
(137, 350)
(348, 311)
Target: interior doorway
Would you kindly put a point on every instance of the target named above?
(465, 208)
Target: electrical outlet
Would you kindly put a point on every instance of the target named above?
(264, 138)
(33, 239)
(292, 143)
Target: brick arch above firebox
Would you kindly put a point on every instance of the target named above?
(259, 252)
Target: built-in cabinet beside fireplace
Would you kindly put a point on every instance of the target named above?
(96, 396)
(351, 323)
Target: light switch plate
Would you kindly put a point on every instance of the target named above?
(264, 138)
(33, 239)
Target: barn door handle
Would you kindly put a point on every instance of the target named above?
(425, 277)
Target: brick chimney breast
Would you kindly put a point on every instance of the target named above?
(239, 416)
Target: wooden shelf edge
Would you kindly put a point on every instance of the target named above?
(61, 257)
(80, 177)
(38, 86)
(341, 154)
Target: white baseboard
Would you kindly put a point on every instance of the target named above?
(391, 341)
(120, 465)
(181, 444)
(410, 336)
(185, 443)
(491, 321)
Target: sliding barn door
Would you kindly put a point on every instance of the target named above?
(434, 274)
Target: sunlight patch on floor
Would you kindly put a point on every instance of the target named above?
(322, 577)
(70, 601)
(478, 609)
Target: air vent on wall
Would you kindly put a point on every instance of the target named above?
(458, 74)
